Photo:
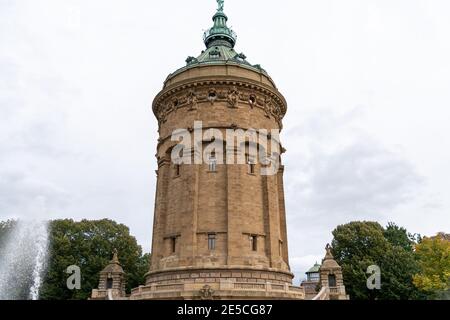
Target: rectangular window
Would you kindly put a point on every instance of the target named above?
(211, 241)
(177, 170)
(109, 283)
(250, 165)
(254, 242)
(332, 281)
(174, 244)
(213, 164)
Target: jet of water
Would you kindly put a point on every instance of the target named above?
(23, 259)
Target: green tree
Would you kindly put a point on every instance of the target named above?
(399, 236)
(433, 255)
(89, 245)
(398, 267)
(137, 277)
(358, 245)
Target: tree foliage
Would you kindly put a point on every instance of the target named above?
(89, 245)
(433, 255)
(399, 236)
(358, 245)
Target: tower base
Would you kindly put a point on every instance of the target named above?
(218, 284)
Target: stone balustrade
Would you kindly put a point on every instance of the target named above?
(223, 290)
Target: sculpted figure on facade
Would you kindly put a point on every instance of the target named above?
(233, 96)
(192, 100)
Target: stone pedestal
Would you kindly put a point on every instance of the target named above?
(218, 284)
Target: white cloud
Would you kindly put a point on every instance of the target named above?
(367, 86)
(338, 173)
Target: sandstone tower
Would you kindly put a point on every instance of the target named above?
(219, 229)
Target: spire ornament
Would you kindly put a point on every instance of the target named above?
(328, 255)
(221, 4)
(220, 34)
(115, 258)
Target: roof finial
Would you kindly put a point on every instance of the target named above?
(328, 255)
(115, 258)
(221, 4)
(220, 34)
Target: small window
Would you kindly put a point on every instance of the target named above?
(212, 95)
(211, 241)
(212, 163)
(250, 165)
(177, 170)
(109, 283)
(254, 242)
(174, 244)
(315, 277)
(331, 280)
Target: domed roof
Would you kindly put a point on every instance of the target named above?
(219, 53)
(330, 264)
(220, 41)
(314, 269)
(114, 265)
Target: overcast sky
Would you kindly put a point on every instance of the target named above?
(367, 131)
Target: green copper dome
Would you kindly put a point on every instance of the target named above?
(314, 269)
(220, 41)
(220, 34)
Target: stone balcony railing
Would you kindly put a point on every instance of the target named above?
(240, 288)
(337, 290)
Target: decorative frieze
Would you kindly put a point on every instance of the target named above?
(235, 95)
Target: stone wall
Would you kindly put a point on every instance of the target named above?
(235, 205)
